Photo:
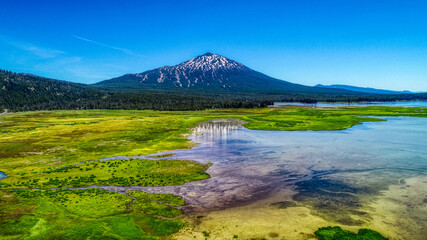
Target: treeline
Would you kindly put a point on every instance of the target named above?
(22, 92)
(132, 101)
(28, 92)
(314, 98)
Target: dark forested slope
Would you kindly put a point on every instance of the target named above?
(25, 91)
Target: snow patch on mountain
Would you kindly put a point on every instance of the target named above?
(195, 70)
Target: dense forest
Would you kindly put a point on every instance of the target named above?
(25, 92)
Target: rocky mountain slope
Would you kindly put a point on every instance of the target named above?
(211, 72)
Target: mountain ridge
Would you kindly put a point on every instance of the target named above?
(207, 72)
(363, 89)
(206, 81)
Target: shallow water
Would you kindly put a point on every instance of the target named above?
(373, 175)
(340, 176)
(268, 158)
(361, 104)
(2, 175)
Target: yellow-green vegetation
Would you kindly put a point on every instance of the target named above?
(77, 214)
(154, 208)
(91, 203)
(322, 119)
(51, 149)
(132, 172)
(333, 233)
(39, 142)
(157, 204)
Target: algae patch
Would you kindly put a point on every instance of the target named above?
(334, 233)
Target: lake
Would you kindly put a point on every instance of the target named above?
(292, 182)
(359, 104)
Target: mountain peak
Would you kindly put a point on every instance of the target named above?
(210, 62)
(208, 71)
(208, 54)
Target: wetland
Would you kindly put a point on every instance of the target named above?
(217, 174)
(372, 176)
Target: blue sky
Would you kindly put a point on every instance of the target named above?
(380, 44)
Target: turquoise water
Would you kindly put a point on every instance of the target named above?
(362, 104)
(334, 173)
(271, 158)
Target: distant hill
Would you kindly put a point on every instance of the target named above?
(362, 89)
(27, 91)
(208, 72)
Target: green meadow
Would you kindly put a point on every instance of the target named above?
(43, 151)
(82, 214)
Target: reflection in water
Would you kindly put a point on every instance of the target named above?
(217, 127)
(216, 130)
(337, 174)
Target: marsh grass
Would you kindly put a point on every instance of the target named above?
(332, 233)
(50, 149)
(82, 214)
(130, 172)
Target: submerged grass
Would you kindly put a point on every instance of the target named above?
(50, 149)
(332, 200)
